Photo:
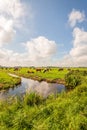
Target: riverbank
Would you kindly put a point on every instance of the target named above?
(63, 111)
(54, 75)
(7, 81)
(40, 79)
(56, 112)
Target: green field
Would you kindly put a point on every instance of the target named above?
(65, 111)
(53, 75)
(7, 81)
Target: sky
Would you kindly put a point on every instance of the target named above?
(43, 33)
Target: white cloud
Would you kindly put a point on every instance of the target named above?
(4, 56)
(40, 47)
(79, 50)
(11, 58)
(11, 11)
(76, 17)
(78, 54)
(6, 30)
(39, 52)
(11, 8)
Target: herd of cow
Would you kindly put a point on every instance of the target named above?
(39, 70)
(43, 70)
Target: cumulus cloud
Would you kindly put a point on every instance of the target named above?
(7, 31)
(11, 58)
(79, 50)
(13, 8)
(4, 56)
(76, 17)
(39, 52)
(77, 56)
(40, 47)
(10, 14)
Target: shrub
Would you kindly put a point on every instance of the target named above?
(84, 73)
(33, 99)
(72, 80)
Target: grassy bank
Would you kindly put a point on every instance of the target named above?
(65, 111)
(53, 75)
(7, 81)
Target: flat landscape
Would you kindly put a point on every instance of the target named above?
(43, 65)
(65, 110)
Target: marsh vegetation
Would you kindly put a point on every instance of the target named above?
(7, 81)
(63, 111)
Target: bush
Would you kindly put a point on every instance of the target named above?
(84, 73)
(72, 80)
(32, 99)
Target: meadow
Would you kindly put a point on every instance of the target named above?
(64, 111)
(7, 81)
(44, 74)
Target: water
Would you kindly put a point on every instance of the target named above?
(28, 85)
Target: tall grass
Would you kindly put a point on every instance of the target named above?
(52, 74)
(7, 81)
(65, 111)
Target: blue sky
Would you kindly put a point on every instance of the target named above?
(40, 32)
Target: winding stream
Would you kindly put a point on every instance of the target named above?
(29, 85)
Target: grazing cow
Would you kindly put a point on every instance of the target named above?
(30, 71)
(46, 70)
(85, 73)
(16, 69)
(60, 69)
(77, 70)
(69, 69)
(38, 69)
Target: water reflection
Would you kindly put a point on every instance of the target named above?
(28, 85)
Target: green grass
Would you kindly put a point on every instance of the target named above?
(7, 81)
(65, 111)
(52, 75)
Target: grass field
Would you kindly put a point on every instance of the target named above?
(53, 75)
(65, 111)
(7, 81)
